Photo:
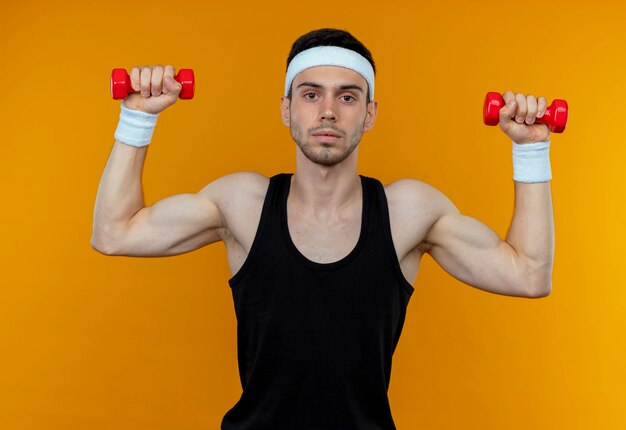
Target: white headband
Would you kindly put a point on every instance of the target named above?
(330, 56)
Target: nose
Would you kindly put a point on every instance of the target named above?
(328, 111)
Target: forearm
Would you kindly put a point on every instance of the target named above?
(120, 193)
(531, 232)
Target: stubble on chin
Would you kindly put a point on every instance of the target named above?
(325, 156)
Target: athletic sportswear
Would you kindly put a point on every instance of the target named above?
(315, 340)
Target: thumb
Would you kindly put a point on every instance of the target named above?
(172, 85)
(507, 111)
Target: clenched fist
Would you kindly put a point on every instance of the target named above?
(157, 87)
(518, 115)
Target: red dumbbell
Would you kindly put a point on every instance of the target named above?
(120, 84)
(555, 116)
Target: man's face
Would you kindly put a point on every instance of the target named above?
(332, 100)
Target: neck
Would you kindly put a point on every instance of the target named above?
(325, 188)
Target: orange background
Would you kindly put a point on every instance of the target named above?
(95, 342)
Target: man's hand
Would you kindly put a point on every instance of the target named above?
(158, 88)
(518, 115)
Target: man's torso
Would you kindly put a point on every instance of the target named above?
(325, 239)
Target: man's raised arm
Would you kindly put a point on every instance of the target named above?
(122, 225)
(521, 265)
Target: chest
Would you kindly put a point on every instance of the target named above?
(324, 239)
(328, 238)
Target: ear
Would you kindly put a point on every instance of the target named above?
(284, 110)
(370, 117)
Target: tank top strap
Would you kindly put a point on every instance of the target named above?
(381, 227)
(269, 215)
(281, 183)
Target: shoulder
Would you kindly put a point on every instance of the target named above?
(237, 191)
(235, 184)
(414, 207)
(413, 194)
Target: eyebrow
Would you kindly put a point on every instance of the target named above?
(341, 87)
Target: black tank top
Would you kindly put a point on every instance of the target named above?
(315, 340)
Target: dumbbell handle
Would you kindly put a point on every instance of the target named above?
(555, 115)
(120, 84)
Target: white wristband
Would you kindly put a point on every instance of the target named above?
(531, 162)
(135, 127)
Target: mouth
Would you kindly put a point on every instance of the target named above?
(327, 136)
(326, 133)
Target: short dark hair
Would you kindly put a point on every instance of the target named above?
(330, 37)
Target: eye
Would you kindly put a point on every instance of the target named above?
(353, 99)
(306, 95)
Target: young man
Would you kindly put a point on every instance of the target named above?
(323, 260)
